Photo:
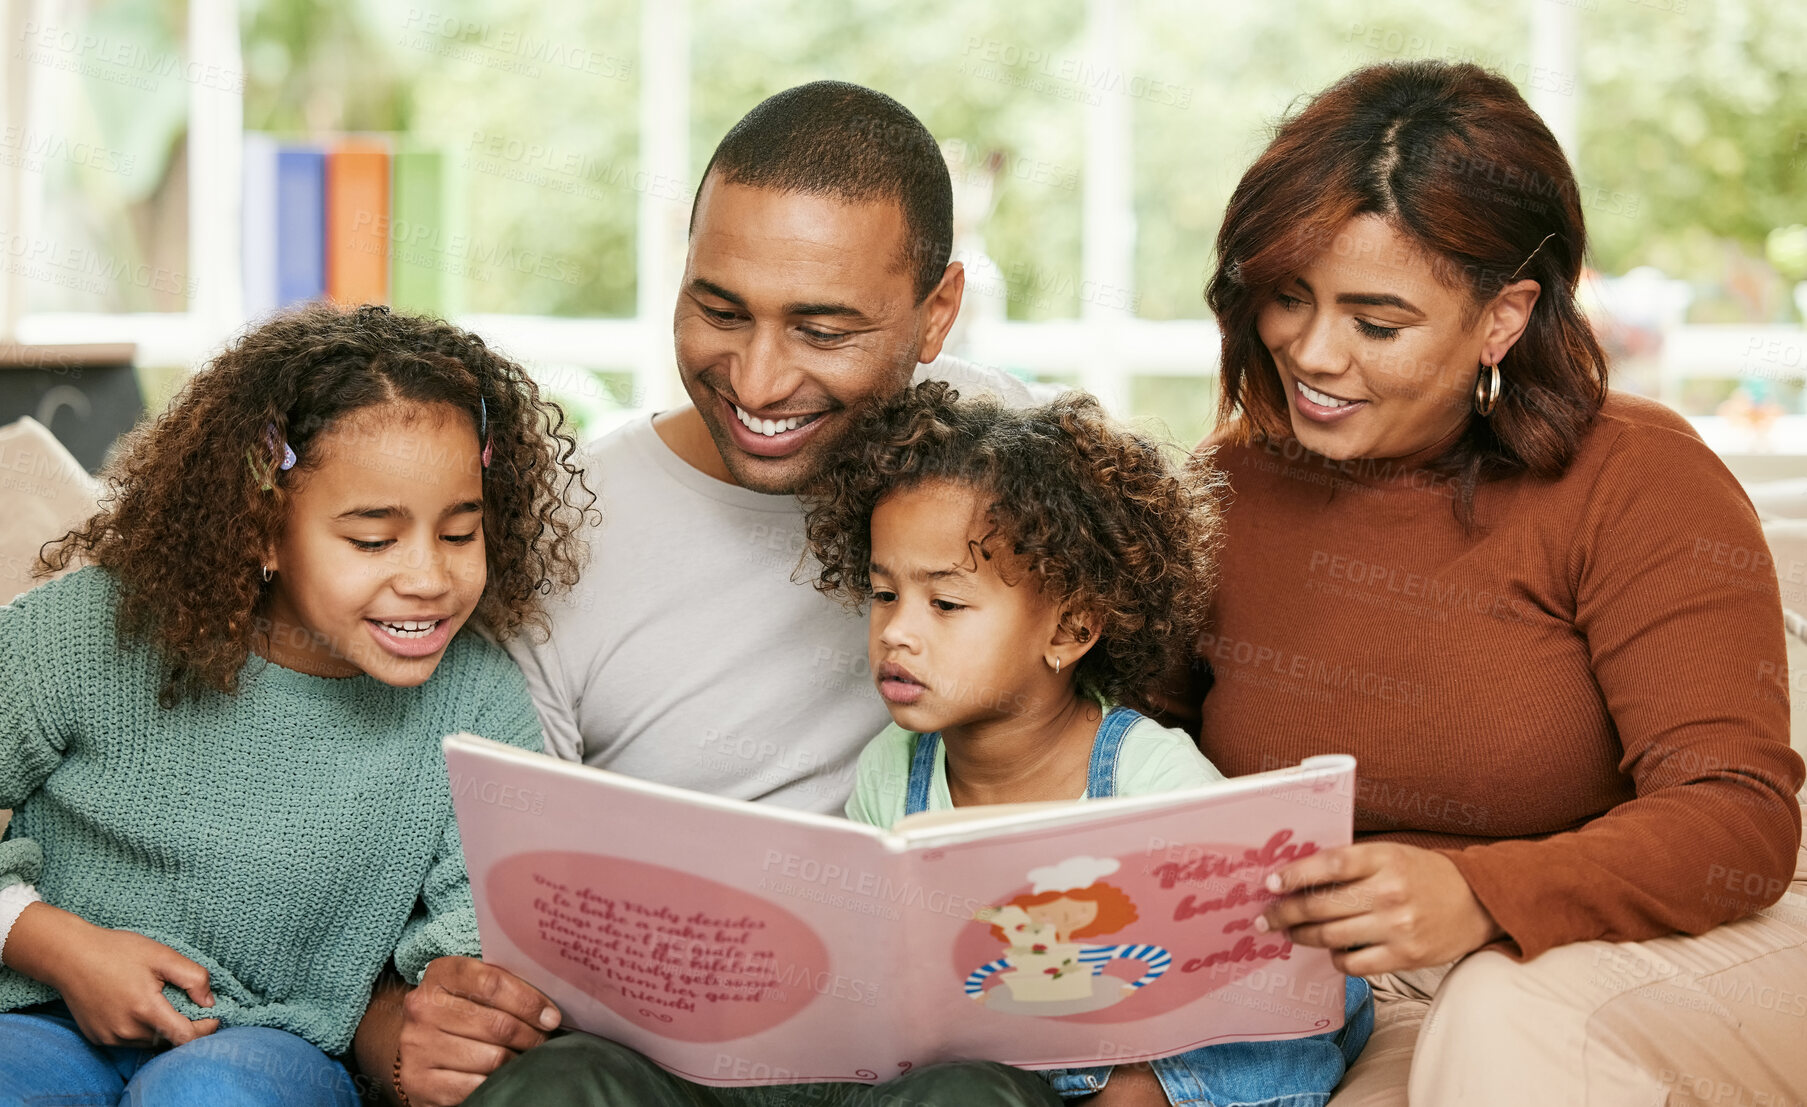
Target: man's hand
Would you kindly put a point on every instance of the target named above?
(464, 1020)
(1379, 907)
(111, 980)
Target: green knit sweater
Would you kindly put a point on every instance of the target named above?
(292, 839)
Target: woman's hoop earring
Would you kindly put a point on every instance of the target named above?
(1057, 664)
(267, 574)
(1487, 389)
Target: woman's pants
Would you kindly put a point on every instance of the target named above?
(1714, 1019)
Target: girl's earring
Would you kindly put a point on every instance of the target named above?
(267, 574)
(1057, 664)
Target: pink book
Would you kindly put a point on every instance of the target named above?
(738, 943)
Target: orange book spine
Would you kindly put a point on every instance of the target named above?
(357, 223)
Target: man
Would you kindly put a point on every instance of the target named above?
(818, 280)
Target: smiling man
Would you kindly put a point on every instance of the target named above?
(818, 283)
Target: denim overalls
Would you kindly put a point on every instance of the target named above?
(1297, 1072)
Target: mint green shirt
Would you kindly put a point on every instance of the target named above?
(1153, 759)
(292, 839)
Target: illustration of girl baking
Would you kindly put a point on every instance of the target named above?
(1045, 964)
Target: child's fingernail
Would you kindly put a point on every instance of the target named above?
(1261, 924)
(549, 1018)
(1273, 882)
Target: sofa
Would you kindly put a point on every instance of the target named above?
(43, 492)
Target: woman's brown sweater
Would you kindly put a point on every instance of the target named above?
(1584, 702)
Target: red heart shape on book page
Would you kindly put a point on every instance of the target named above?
(681, 956)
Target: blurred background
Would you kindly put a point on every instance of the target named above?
(1093, 144)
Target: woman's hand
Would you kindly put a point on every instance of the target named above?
(1379, 907)
(111, 980)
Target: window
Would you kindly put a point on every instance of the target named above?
(1093, 145)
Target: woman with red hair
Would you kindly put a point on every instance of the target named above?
(1540, 615)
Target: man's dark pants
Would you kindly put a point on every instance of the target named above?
(578, 1070)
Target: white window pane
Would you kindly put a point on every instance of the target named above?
(999, 83)
(104, 159)
(1243, 66)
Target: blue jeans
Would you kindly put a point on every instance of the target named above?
(45, 1062)
(1296, 1072)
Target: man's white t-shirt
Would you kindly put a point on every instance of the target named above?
(694, 651)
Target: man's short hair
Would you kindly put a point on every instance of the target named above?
(831, 138)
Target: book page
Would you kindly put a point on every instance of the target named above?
(1126, 936)
(731, 943)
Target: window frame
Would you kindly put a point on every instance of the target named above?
(1103, 348)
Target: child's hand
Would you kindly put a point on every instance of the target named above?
(112, 980)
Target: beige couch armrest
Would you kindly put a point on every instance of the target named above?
(43, 493)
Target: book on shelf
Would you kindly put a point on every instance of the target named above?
(351, 220)
(300, 258)
(357, 222)
(259, 225)
(426, 234)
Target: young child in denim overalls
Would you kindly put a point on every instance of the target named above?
(1027, 572)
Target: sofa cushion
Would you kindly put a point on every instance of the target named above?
(1779, 499)
(43, 493)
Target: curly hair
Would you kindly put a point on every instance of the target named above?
(1115, 909)
(1110, 525)
(195, 497)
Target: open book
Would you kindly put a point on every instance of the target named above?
(738, 943)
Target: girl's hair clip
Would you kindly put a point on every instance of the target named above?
(288, 455)
(483, 429)
(287, 462)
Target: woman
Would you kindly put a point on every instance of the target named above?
(1535, 612)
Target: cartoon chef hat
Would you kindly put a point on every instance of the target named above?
(1074, 872)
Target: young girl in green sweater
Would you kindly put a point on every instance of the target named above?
(221, 735)
(1031, 574)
